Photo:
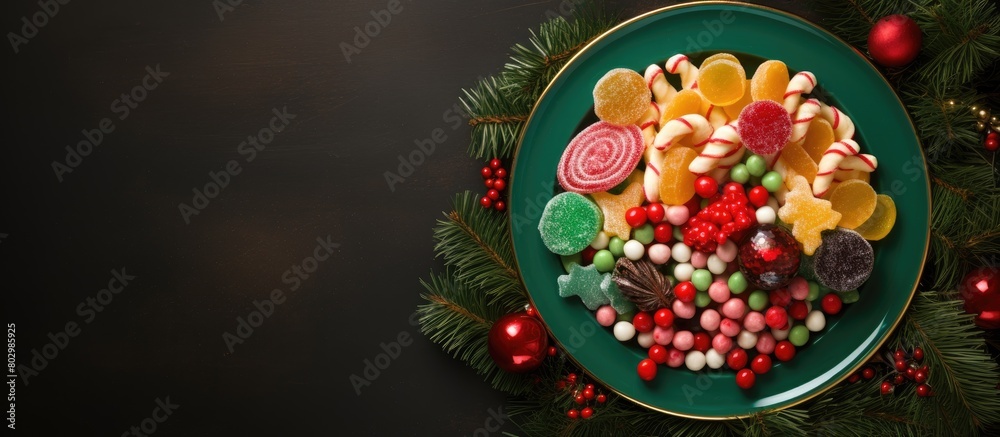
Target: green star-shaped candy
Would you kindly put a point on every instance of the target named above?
(618, 301)
(586, 283)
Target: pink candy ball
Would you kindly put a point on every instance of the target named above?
(675, 358)
(606, 316)
(677, 215)
(683, 340)
(729, 327)
(766, 343)
(659, 253)
(663, 336)
(734, 308)
(710, 320)
(799, 288)
(727, 251)
(754, 322)
(721, 343)
(684, 310)
(699, 259)
(719, 291)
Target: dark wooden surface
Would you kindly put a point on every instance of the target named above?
(322, 176)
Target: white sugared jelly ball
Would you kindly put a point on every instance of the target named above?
(645, 339)
(683, 272)
(714, 359)
(746, 339)
(600, 241)
(681, 253)
(624, 331)
(765, 215)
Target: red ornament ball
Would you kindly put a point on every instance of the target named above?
(981, 292)
(769, 257)
(500, 205)
(518, 342)
(499, 184)
(572, 413)
(894, 41)
(486, 202)
(923, 390)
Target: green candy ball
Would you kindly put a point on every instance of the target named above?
(737, 282)
(701, 299)
(771, 181)
(813, 291)
(739, 173)
(799, 335)
(678, 235)
(617, 247)
(756, 165)
(701, 279)
(604, 261)
(644, 233)
(758, 300)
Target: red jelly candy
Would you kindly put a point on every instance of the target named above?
(764, 127)
(600, 157)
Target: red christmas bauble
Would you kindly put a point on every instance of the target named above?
(518, 342)
(894, 41)
(981, 292)
(769, 257)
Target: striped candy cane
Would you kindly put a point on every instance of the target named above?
(658, 85)
(679, 64)
(803, 116)
(843, 127)
(723, 144)
(801, 83)
(830, 162)
(691, 124)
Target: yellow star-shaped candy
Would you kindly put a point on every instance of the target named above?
(614, 207)
(808, 215)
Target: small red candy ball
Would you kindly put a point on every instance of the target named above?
(685, 291)
(655, 212)
(587, 256)
(663, 232)
(499, 184)
(992, 142)
(923, 390)
(635, 216)
(501, 173)
(784, 350)
(486, 172)
(761, 364)
(918, 354)
(586, 412)
(736, 359)
(658, 354)
(702, 342)
(646, 369)
(776, 317)
(602, 398)
(867, 373)
(895, 40)
(493, 194)
(745, 378)
(489, 182)
(758, 196)
(501, 205)
(642, 322)
(495, 163)
(664, 318)
(832, 304)
(706, 186)
(486, 202)
(798, 310)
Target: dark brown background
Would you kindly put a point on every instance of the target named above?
(323, 175)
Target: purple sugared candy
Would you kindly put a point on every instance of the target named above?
(844, 261)
(769, 257)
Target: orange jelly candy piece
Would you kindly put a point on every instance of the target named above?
(818, 138)
(733, 111)
(855, 201)
(621, 97)
(684, 102)
(769, 82)
(676, 181)
(881, 221)
(807, 215)
(797, 160)
(614, 207)
(719, 56)
(722, 82)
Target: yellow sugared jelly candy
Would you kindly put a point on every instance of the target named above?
(718, 56)
(855, 201)
(818, 138)
(614, 207)
(722, 82)
(684, 102)
(621, 97)
(676, 181)
(807, 215)
(769, 82)
(797, 160)
(733, 111)
(880, 223)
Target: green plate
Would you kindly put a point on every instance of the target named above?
(846, 80)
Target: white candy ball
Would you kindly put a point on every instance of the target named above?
(634, 250)
(624, 331)
(683, 272)
(645, 339)
(600, 241)
(716, 265)
(695, 360)
(815, 321)
(714, 359)
(779, 334)
(766, 215)
(681, 253)
(747, 339)
(659, 253)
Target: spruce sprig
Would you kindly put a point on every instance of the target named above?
(497, 113)
(961, 38)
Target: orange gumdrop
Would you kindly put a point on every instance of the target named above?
(676, 181)
(621, 97)
(855, 201)
(722, 82)
(818, 138)
(719, 56)
(881, 221)
(769, 82)
(684, 102)
(796, 159)
(733, 111)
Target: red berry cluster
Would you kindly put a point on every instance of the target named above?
(585, 397)
(495, 178)
(906, 367)
(727, 214)
(992, 141)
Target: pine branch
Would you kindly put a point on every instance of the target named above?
(476, 242)
(962, 38)
(459, 319)
(497, 114)
(853, 19)
(942, 118)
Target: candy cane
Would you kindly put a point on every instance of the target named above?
(724, 143)
(829, 163)
(690, 124)
(651, 177)
(714, 114)
(843, 127)
(648, 123)
(657, 83)
(861, 162)
(679, 64)
(803, 116)
(801, 83)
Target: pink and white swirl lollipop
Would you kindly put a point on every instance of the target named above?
(600, 157)
(802, 83)
(679, 64)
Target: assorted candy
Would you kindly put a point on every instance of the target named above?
(746, 224)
